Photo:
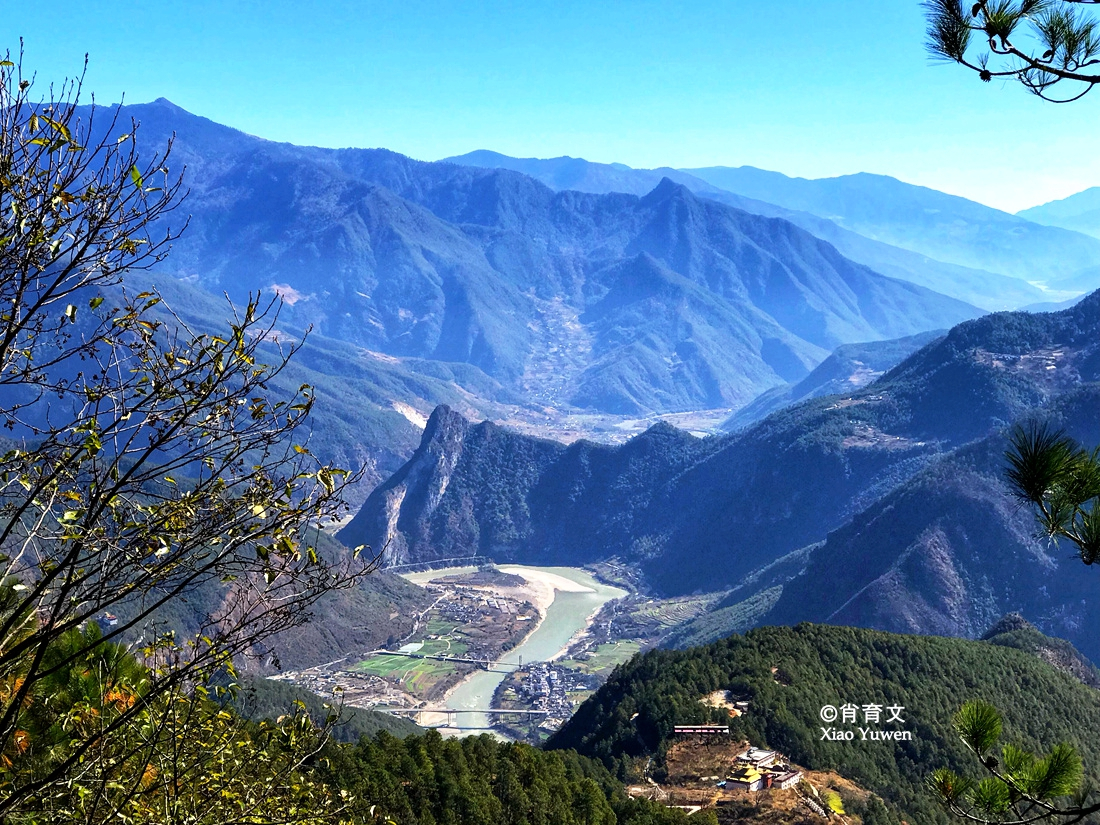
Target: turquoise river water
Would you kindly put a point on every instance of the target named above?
(567, 615)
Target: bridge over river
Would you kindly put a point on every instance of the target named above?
(452, 714)
(577, 598)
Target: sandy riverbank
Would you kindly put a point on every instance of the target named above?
(541, 589)
(543, 585)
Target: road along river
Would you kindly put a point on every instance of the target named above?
(568, 598)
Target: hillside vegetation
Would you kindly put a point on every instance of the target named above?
(790, 673)
(428, 780)
(950, 550)
(197, 759)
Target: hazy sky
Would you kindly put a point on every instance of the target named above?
(810, 89)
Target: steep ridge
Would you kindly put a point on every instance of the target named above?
(988, 290)
(1013, 630)
(903, 471)
(450, 263)
(479, 489)
(949, 551)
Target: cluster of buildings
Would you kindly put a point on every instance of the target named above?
(758, 769)
(503, 605)
(488, 624)
(355, 689)
(546, 687)
(458, 608)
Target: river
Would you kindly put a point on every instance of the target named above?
(568, 614)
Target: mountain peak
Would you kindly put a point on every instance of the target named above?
(666, 190)
(1009, 623)
(165, 103)
(443, 422)
(478, 157)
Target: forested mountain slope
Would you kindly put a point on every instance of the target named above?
(480, 489)
(950, 550)
(789, 674)
(478, 780)
(1013, 630)
(700, 515)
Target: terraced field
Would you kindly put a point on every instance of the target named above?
(671, 612)
(604, 659)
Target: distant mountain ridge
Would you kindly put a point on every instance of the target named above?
(849, 367)
(1079, 212)
(865, 232)
(945, 227)
(585, 176)
(622, 304)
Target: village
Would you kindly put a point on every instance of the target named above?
(541, 686)
(472, 620)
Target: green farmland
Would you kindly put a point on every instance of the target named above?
(421, 676)
(418, 676)
(605, 658)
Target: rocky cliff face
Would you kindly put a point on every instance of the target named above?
(421, 484)
(479, 489)
(898, 486)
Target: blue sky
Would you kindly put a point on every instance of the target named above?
(809, 89)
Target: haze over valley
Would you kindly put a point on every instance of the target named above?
(367, 458)
(561, 300)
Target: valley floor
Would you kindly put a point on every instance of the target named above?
(535, 641)
(482, 625)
